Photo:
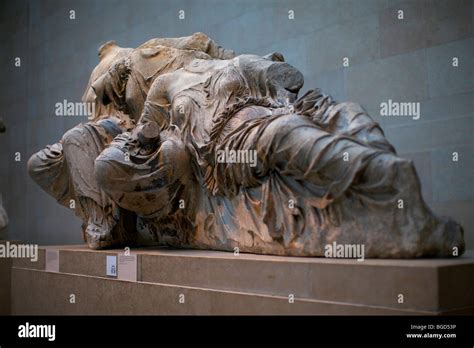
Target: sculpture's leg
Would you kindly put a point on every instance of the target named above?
(296, 147)
(65, 171)
(146, 183)
(153, 184)
(48, 168)
(345, 169)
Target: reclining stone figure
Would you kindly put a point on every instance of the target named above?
(324, 171)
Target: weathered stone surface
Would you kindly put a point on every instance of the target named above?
(192, 146)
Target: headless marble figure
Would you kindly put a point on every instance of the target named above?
(325, 172)
(118, 87)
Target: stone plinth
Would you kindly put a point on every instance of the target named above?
(223, 283)
(5, 282)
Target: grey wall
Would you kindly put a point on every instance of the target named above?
(402, 60)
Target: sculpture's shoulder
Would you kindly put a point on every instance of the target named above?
(199, 42)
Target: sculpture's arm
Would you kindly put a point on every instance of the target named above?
(155, 116)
